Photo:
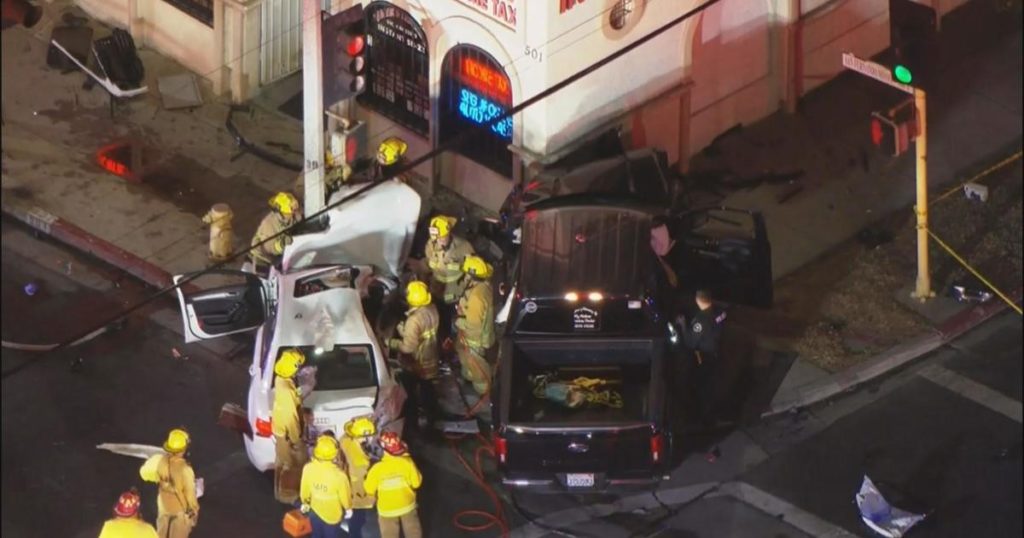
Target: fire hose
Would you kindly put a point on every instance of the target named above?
(47, 347)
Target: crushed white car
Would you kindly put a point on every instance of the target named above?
(318, 303)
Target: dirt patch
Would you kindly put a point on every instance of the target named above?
(843, 309)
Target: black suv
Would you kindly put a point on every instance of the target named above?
(581, 306)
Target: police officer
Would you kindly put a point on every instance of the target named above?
(702, 337)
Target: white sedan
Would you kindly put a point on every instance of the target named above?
(317, 303)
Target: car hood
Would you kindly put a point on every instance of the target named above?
(375, 228)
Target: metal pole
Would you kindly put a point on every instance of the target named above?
(923, 289)
(313, 107)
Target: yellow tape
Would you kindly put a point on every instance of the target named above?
(978, 176)
(975, 272)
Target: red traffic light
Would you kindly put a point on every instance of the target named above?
(355, 45)
(876, 132)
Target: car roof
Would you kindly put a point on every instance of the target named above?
(297, 318)
(584, 245)
(639, 174)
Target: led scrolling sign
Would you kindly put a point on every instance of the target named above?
(486, 97)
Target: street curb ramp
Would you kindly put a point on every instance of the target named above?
(839, 382)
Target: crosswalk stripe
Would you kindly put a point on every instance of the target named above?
(974, 391)
(791, 514)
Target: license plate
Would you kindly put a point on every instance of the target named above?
(579, 480)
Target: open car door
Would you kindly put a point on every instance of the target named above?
(229, 302)
(726, 251)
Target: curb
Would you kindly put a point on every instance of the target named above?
(75, 237)
(839, 382)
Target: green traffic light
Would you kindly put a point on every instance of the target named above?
(902, 74)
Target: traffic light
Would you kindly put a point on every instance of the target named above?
(893, 134)
(912, 33)
(344, 44)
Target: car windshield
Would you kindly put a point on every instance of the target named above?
(344, 367)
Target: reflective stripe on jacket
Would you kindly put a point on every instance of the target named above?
(394, 480)
(127, 527)
(326, 489)
(446, 263)
(476, 319)
(271, 225)
(284, 417)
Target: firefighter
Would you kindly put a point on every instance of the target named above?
(390, 154)
(475, 324)
(357, 435)
(417, 348)
(702, 336)
(127, 522)
(289, 445)
(325, 492)
(394, 481)
(444, 253)
(284, 212)
(177, 506)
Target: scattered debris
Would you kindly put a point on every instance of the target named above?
(179, 91)
(234, 418)
(976, 192)
(882, 517)
(178, 355)
(965, 294)
(31, 288)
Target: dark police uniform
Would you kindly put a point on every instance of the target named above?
(702, 338)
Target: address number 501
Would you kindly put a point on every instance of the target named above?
(534, 53)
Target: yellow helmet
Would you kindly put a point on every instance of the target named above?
(441, 226)
(417, 294)
(326, 448)
(476, 266)
(360, 427)
(289, 363)
(391, 150)
(177, 441)
(284, 203)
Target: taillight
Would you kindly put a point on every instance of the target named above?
(500, 448)
(264, 428)
(657, 445)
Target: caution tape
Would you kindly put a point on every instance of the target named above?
(974, 272)
(978, 176)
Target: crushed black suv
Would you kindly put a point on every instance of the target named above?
(581, 392)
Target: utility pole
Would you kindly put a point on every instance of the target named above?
(313, 108)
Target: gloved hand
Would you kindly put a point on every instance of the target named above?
(393, 343)
(304, 508)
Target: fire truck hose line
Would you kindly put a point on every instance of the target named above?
(974, 272)
(978, 176)
(489, 519)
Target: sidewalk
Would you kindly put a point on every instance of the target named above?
(152, 229)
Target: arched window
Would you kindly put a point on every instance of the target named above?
(399, 73)
(474, 91)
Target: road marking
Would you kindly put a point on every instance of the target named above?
(566, 519)
(791, 514)
(972, 390)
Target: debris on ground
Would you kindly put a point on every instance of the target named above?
(31, 288)
(178, 355)
(881, 516)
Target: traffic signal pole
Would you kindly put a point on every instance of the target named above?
(923, 289)
(313, 108)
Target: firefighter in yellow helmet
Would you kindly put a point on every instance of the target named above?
(326, 493)
(285, 211)
(127, 521)
(177, 506)
(390, 153)
(475, 324)
(358, 433)
(289, 446)
(417, 349)
(394, 481)
(445, 252)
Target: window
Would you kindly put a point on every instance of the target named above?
(342, 368)
(399, 73)
(474, 91)
(200, 10)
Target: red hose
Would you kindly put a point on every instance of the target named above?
(488, 519)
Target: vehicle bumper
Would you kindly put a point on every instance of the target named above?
(554, 484)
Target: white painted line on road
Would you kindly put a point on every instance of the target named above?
(791, 514)
(972, 390)
(566, 519)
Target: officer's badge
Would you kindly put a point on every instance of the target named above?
(697, 327)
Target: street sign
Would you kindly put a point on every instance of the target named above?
(878, 72)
